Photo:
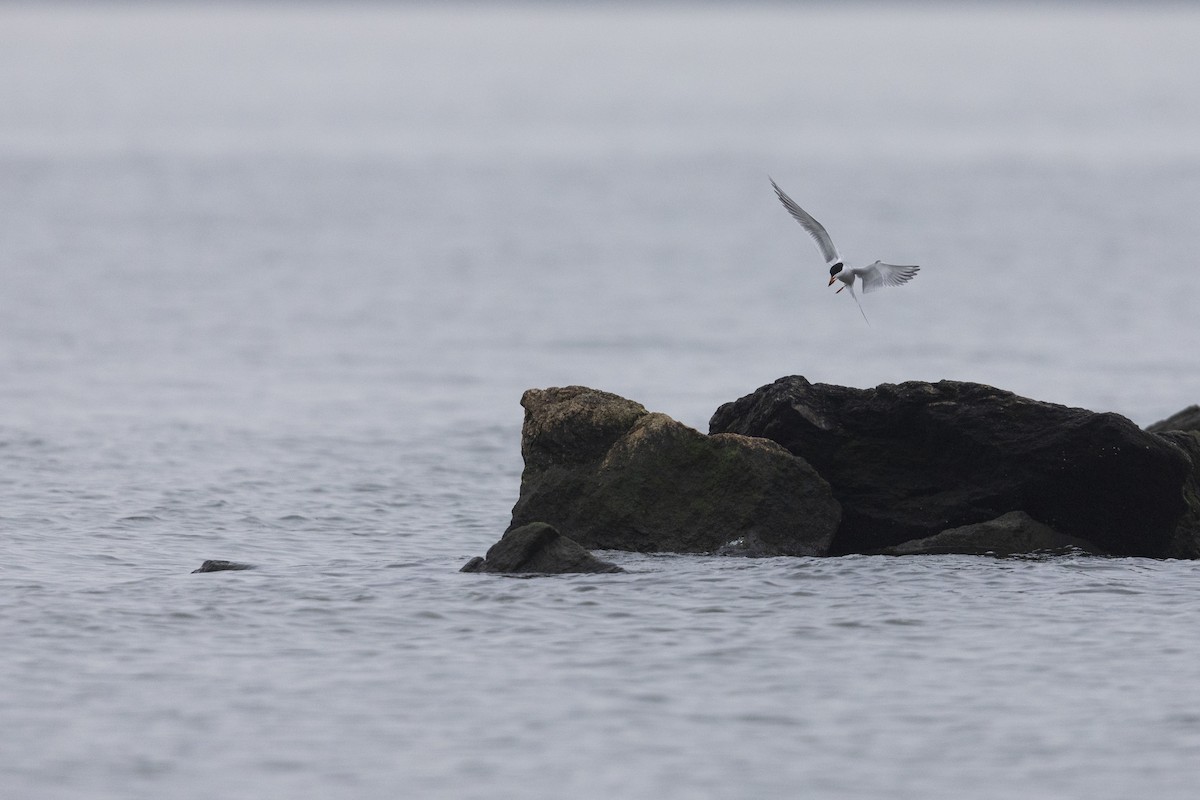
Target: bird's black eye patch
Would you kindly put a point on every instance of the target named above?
(835, 269)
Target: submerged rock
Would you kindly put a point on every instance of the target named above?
(1186, 420)
(221, 566)
(1013, 533)
(537, 548)
(611, 475)
(909, 461)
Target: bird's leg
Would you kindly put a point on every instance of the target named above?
(839, 291)
(860, 308)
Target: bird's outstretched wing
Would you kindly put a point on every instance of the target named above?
(814, 228)
(879, 275)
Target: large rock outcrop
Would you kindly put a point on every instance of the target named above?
(537, 549)
(908, 461)
(611, 475)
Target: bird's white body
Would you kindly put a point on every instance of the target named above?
(873, 276)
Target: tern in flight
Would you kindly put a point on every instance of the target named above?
(873, 276)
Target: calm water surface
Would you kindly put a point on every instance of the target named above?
(273, 278)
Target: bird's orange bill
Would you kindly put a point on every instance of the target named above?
(832, 278)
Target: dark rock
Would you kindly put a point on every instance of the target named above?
(221, 566)
(1186, 420)
(1015, 532)
(537, 548)
(1185, 539)
(613, 476)
(908, 461)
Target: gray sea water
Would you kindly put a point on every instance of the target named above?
(274, 276)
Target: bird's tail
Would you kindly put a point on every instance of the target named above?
(860, 308)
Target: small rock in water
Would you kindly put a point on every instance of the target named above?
(537, 548)
(1013, 533)
(221, 566)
